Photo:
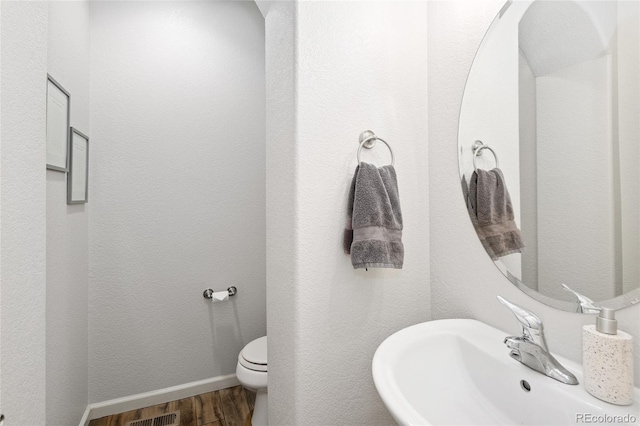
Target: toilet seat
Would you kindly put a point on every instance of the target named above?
(251, 372)
(254, 355)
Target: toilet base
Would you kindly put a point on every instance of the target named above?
(260, 409)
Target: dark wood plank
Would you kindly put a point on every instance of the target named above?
(227, 407)
(185, 406)
(187, 410)
(209, 408)
(250, 396)
(235, 406)
(247, 421)
(155, 410)
(102, 421)
(122, 418)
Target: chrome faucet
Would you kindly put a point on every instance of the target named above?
(531, 348)
(585, 305)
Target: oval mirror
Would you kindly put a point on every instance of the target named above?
(549, 150)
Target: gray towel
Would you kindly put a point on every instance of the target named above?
(373, 235)
(491, 212)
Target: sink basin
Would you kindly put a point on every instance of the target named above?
(458, 372)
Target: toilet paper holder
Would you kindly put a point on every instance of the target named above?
(208, 293)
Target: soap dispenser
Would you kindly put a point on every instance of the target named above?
(607, 360)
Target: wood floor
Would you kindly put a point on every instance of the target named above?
(226, 407)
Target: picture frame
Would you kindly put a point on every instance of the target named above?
(78, 176)
(58, 124)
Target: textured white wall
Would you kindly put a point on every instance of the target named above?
(177, 191)
(490, 113)
(464, 281)
(355, 66)
(576, 243)
(23, 211)
(558, 34)
(1, 84)
(282, 287)
(67, 229)
(627, 72)
(528, 172)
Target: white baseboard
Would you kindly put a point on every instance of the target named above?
(146, 399)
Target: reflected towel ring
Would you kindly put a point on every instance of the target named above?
(368, 140)
(478, 147)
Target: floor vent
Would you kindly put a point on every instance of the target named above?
(171, 419)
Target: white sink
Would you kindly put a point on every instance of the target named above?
(458, 372)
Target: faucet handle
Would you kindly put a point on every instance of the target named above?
(527, 318)
(585, 305)
(513, 342)
(532, 329)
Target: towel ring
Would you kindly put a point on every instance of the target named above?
(478, 147)
(368, 140)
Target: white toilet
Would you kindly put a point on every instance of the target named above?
(252, 374)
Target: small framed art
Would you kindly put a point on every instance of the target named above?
(58, 111)
(78, 177)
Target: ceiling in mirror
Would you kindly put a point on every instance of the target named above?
(554, 96)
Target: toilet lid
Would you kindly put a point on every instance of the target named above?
(254, 355)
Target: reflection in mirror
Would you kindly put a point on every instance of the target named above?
(554, 91)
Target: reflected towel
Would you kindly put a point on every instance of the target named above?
(491, 212)
(373, 235)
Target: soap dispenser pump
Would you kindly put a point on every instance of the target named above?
(607, 360)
